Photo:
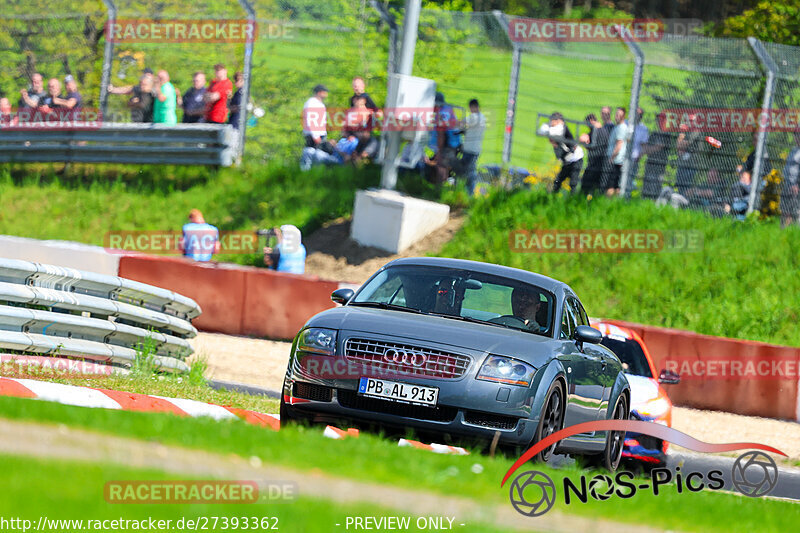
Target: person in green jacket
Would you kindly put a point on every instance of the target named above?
(166, 100)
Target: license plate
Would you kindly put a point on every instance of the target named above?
(398, 392)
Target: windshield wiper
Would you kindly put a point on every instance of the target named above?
(393, 307)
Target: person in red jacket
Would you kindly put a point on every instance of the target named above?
(217, 95)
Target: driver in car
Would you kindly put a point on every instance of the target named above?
(525, 303)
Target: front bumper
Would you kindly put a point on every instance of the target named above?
(341, 401)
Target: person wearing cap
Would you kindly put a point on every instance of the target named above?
(217, 95)
(289, 254)
(567, 151)
(73, 97)
(315, 118)
(200, 240)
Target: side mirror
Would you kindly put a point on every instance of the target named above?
(668, 377)
(342, 296)
(587, 334)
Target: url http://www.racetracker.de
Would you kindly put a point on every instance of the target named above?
(199, 523)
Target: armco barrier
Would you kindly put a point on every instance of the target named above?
(54, 310)
(769, 397)
(65, 253)
(158, 144)
(237, 300)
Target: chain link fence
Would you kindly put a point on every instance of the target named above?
(301, 43)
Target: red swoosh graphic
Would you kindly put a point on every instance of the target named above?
(637, 426)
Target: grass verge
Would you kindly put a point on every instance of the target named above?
(371, 458)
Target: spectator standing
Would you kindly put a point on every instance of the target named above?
(597, 145)
(790, 190)
(687, 146)
(49, 102)
(444, 139)
(235, 105)
(72, 99)
(567, 151)
(141, 100)
(656, 148)
(359, 89)
(30, 97)
(217, 95)
(474, 128)
(640, 136)
(617, 147)
(194, 105)
(200, 240)
(166, 100)
(315, 118)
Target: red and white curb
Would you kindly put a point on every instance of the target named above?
(128, 401)
(131, 401)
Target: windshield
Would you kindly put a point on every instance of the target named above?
(462, 294)
(630, 353)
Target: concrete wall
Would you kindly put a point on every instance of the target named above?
(774, 397)
(237, 300)
(62, 253)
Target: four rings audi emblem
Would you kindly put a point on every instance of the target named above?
(405, 357)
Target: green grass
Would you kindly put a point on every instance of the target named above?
(86, 202)
(741, 284)
(45, 495)
(371, 458)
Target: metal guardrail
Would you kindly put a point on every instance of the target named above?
(45, 309)
(159, 144)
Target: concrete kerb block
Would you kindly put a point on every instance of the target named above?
(393, 221)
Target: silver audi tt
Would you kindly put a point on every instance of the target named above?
(454, 349)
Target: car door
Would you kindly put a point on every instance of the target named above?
(581, 406)
(597, 386)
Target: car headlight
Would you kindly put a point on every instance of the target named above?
(655, 408)
(317, 340)
(506, 370)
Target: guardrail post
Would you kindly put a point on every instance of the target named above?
(766, 104)
(636, 88)
(513, 88)
(248, 67)
(108, 53)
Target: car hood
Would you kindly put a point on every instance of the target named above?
(529, 347)
(642, 389)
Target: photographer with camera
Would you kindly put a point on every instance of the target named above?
(288, 254)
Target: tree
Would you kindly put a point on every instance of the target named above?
(767, 21)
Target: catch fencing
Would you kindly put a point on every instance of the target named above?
(300, 43)
(63, 312)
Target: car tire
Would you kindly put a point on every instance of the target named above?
(551, 420)
(615, 440)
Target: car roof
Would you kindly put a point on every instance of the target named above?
(550, 284)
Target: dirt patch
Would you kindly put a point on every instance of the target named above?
(718, 427)
(246, 360)
(332, 254)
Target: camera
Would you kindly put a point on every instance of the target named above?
(266, 233)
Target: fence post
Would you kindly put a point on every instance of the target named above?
(389, 19)
(771, 68)
(513, 88)
(248, 67)
(636, 89)
(108, 53)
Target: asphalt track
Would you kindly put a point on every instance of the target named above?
(788, 479)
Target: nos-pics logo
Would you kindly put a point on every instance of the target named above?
(533, 493)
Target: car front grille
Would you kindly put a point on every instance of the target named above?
(310, 391)
(489, 420)
(351, 400)
(405, 359)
